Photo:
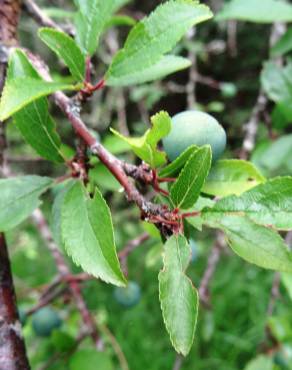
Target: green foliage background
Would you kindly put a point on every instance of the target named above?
(233, 330)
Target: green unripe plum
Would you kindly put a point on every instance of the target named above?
(44, 321)
(194, 128)
(128, 296)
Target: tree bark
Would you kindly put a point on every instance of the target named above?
(9, 14)
(12, 348)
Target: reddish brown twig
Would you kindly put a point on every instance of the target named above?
(156, 186)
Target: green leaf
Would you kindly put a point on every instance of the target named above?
(277, 81)
(174, 168)
(145, 147)
(121, 20)
(67, 49)
(21, 91)
(39, 130)
(115, 145)
(103, 178)
(34, 121)
(254, 243)
(269, 204)
(186, 190)
(90, 359)
(287, 282)
(20, 66)
(153, 37)
(19, 198)
(284, 45)
(259, 11)
(178, 298)
(261, 362)
(58, 13)
(90, 22)
(277, 155)
(197, 221)
(282, 115)
(119, 4)
(166, 65)
(87, 234)
(60, 192)
(232, 177)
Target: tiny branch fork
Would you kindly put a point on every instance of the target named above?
(65, 275)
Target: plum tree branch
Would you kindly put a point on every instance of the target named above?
(121, 170)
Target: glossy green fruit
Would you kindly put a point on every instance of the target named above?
(128, 296)
(45, 321)
(194, 128)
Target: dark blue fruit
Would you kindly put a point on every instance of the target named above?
(128, 296)
(45, 321)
